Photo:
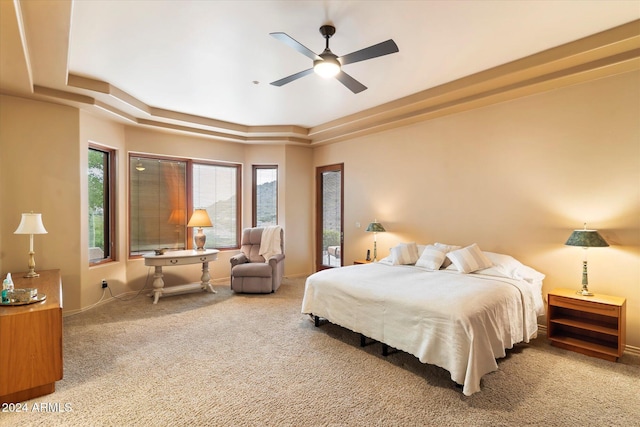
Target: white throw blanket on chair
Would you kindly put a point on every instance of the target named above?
(270, 243)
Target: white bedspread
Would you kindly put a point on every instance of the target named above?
(460, 322)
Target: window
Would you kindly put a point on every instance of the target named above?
(216, 188)
(164, 192)
(265, 196)
(101, 168)
(158, 204)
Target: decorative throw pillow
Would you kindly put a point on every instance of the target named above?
(446, 248)
(431, 258)
(469, 259)
(405, 254)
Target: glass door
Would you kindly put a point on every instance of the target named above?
(329, 210)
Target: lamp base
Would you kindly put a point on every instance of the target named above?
(32, 266)
(585, 281)
(31, 274)
(199, 240)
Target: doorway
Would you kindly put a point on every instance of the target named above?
(329, 216)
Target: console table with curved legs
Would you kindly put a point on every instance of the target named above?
(180, 258)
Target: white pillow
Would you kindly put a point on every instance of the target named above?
(513, 268)
(469, 259)
(529, 274)
(446, 248)
(506, 263)
(387, 260)
(431, 258)
(420, 249)
(405, 254)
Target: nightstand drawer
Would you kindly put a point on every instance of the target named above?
(586, 306)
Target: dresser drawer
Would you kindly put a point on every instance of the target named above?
(586, 306)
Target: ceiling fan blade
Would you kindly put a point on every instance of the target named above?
(292, 77)
(374, 51)
(287, 39)
(352, 84)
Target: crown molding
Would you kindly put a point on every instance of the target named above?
(603, 54)
(608, 53)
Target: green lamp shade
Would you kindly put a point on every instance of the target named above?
(586, 239)
(376, 227)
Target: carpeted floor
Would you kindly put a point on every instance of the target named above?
(224, 359)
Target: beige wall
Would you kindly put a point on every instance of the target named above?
(298, 203)
(516, 178)
(141, 140)
(39, 170)
(294, 199)
(43, 165)
(94, 130)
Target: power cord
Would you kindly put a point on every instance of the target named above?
(94, 304)
(118, 297)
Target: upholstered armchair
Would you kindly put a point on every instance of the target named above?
(250, 271)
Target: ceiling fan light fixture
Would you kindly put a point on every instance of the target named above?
(328, 66)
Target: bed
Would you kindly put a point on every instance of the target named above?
(459, 320)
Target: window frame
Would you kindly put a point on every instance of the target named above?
(152, 157)
(238, 186)
(254, 192)
(189, 196)
(110, 211)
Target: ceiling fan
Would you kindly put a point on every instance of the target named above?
(327, 64)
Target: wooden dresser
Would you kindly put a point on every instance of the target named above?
(31, 341)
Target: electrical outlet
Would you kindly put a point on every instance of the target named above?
(104, 283)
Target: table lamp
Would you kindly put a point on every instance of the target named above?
(586, 239)
(200, 219)
(375, 227)
(31, 223)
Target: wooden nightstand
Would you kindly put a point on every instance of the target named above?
(361, 261)
(593, 325)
